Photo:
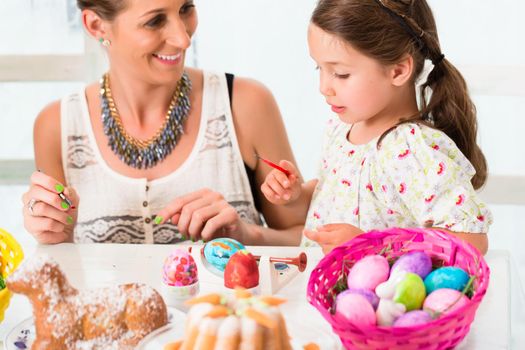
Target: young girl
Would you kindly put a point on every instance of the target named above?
(387, 162)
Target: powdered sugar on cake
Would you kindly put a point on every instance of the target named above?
(116, 317)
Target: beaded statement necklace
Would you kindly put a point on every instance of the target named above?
(145, 153)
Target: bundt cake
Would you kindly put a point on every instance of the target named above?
(243, 322)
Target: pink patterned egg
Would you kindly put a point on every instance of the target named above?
(179, 269)
(368, 272)
(445, 300)
(356, 309)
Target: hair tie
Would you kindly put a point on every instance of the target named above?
(401, 19)
(437, 60)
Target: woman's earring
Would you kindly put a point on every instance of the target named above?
(104, 42)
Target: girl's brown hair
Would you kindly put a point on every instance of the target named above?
(106, 9)
(387, 30)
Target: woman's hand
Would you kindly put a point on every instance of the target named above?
(280, 189)
(332, 235)
(47, 216)
(203, 214)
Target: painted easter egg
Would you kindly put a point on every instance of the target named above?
(410, 292)
(446, 277)
(368, 272)
(218, 251)
(369, 295)
(241, 271)
(413, 318)
(355, 308)
(179, 269)
(445, 300)
(417, 262)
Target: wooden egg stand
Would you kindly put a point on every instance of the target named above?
(271, 280)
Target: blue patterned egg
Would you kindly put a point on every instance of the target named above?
(446, 277)
(218, 251)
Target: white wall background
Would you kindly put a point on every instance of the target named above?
(266, 40)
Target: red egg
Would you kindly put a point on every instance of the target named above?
(241, 271)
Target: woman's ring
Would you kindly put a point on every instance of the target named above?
(30, 206)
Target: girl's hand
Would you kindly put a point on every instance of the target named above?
(46, 216)
(332, 235)
(203, 214)
(280, 189)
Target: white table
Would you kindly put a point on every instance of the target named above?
(97, 265)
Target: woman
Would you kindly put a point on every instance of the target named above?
(154, 153)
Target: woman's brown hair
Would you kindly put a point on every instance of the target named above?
(106, 9)
(388, 30)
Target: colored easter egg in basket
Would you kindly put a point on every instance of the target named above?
(446, 277)
(368, 272)
(179, 269)
(444, 301)
(355, 308)
(241, 271)
(369, 295)
(217, 252)
(413, 318)
(417, 262)
(410, 292)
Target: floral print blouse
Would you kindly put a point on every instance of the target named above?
(416, 178)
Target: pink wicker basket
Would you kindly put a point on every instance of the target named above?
(442, 333)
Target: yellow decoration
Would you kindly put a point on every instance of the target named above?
(10, 257)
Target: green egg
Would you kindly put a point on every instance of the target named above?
(411, 292)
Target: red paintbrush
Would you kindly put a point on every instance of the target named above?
(273, 165)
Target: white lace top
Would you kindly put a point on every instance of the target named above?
(119, 209)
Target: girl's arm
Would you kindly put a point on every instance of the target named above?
(302, 203)
(478, 240)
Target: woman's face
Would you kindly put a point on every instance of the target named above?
(149, 38)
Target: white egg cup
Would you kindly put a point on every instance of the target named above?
(176, 296)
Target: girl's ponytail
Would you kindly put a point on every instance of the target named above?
(450, 109)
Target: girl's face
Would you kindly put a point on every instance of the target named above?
(357, 87)
(150, 37)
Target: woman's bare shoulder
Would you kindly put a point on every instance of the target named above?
(254, 105)
(48, 118)
(47, 143)
(249, 91)
(257, 120)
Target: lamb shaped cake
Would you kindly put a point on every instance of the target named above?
(69, 319)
